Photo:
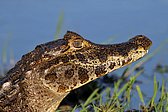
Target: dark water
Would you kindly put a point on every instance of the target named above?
(24, 24)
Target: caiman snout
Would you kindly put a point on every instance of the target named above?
(141, 40)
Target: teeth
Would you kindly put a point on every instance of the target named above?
(146, 51)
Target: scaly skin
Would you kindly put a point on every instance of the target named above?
(44, 76)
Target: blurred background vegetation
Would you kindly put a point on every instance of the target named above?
(139, 86)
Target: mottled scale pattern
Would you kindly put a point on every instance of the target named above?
(44, 76)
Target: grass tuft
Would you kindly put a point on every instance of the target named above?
(59, 25)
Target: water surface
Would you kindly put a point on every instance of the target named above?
(24, 24)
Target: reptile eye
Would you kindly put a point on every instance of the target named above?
(77, 44)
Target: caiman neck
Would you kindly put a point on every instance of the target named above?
(40, 97)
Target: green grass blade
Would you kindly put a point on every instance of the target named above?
(96, 109)
(91, 98)
(162, 98)
(4, 54)
(73, 110)
(59, 25)
(140, 94)
(151, 103)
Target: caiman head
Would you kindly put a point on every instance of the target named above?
(78, 61)
(44, 76)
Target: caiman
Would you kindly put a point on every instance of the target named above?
(44, 76)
